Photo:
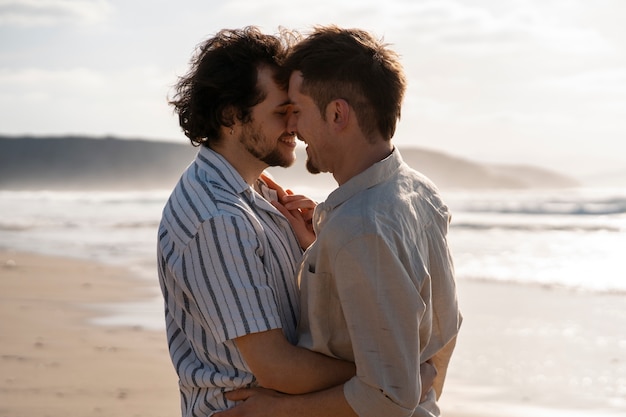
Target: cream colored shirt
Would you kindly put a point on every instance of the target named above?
(377, 287)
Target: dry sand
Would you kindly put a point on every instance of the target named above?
(546, 350)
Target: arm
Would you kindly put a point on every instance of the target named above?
(247, 319)
(259, 402)
(264, 403)
(387, 384)
(283, 367)
(386, 339)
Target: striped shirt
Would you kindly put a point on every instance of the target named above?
(226, 262)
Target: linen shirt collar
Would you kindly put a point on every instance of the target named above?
(374, 175)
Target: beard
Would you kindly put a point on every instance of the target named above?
(311, 167)
(253, 143)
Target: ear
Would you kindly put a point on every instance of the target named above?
(230, 124)
(228, 117)
(339, 113)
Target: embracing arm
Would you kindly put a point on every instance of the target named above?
(281, 366)
(260, 402)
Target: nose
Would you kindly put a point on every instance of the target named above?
(292, 124)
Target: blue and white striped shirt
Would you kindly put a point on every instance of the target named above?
(227, 262)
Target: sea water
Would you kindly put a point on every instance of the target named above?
(574, 238)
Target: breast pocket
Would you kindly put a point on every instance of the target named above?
(323, 325)
(314, 298)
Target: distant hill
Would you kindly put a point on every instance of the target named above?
(76, 163)
(454, 172)
(446, 171)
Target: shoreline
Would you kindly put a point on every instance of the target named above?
(513, 357)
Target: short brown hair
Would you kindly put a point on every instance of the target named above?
(352, 65)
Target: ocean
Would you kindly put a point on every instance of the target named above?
(571, 238)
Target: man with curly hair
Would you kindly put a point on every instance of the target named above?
(227, 257)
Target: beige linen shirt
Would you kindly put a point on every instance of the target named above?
(377, 287)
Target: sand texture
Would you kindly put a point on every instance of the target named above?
(54, 363)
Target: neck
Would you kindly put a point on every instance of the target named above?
(248, 166)
(361, 157)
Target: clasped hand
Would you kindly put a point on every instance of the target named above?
(298, 209)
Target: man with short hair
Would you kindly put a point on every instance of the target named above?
(377, 286)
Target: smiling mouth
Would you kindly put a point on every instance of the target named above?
(291, 141)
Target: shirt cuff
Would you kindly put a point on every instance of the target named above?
(368, 401)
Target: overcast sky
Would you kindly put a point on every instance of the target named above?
(539, 82)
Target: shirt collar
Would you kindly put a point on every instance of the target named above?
(374, 175)
(217, 166)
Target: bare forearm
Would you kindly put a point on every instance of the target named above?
(304, 371)
(265, 403)
(283, 367)
(328, 402)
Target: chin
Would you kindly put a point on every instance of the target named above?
(280, 159)
(289, 160)
(313, 169)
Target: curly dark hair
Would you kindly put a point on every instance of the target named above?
(221, 85)
(352, 65)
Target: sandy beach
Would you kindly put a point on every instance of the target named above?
(54, 363)
(550, 352)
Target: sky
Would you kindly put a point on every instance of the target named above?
(535, 82)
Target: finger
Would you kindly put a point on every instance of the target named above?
(298, 202)
(296, 197)
(239, 395)
(288, 214)
(274, 186)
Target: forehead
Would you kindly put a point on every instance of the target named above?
(274, 95)
(295, 82)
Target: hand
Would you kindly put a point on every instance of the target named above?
(298, 210)
(300, 222)
(256, 402)
(302, 203)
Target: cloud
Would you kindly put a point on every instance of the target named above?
(132, 101)
(35, 13)
(495, 27)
